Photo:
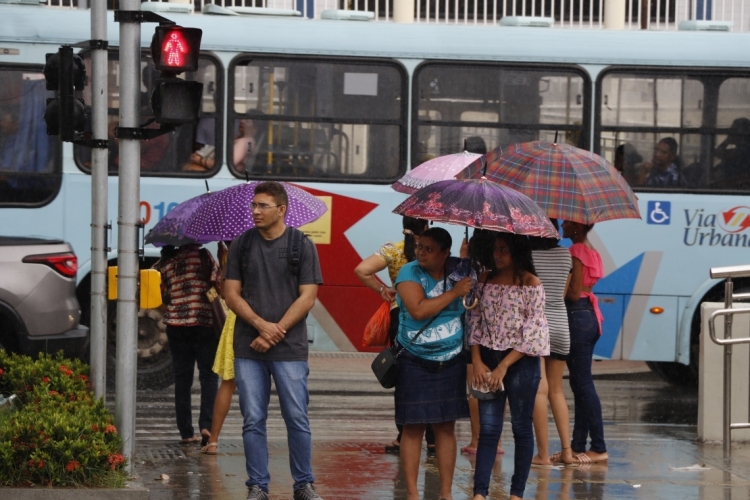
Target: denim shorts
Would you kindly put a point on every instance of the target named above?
(430, 392)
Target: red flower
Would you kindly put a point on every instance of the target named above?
(66, 370)
(83, 377)
(31, 463)
(1, 372)
(40, 464)
(72, 465)
(115, 459)
(53, 393)
(95, 428)
(45, 380)
(110, 428)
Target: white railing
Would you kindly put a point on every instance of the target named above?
(586, 14)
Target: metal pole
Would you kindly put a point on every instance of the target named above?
(728, 290)
(127, 232)
(99, 200)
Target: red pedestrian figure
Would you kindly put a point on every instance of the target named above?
(173, 50)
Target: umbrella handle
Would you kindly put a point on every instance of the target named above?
(473, 304)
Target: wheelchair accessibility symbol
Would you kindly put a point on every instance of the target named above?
(659, 212)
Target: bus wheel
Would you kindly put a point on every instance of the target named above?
(687, 375)
(154, 359)
(676, 373)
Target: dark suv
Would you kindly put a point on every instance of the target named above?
(39, 311)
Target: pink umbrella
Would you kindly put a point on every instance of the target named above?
(438, 169)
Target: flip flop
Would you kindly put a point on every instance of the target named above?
(205, 449)
(392, 447)
(190, 440)
(582, 458)
(468, 451)
(500, 451)
(205, 436)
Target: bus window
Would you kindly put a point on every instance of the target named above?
(499, 104)
(30, 173)
(188, 150)
(676, 129)
(311, 119)
(731, 168)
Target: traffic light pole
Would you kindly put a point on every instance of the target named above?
(99, 201)
(127, 231)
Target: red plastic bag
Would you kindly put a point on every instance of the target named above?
(376, 330)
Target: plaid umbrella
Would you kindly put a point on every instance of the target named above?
(438, 169)
(567, 182)
(478, 203)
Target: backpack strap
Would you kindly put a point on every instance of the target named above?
(294, 250)
(244, 241)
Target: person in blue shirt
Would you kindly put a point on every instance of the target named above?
(664, 171)
(431, 386)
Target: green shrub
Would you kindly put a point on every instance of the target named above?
(61, 435)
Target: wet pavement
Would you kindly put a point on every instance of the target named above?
(650, 429)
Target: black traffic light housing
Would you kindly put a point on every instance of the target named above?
(65, 73)
(175, 49)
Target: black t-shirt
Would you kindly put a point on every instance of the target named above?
(270, 287)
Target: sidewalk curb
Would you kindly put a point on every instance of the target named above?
(42, 493)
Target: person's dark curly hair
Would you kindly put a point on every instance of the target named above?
(413, 227)
(483, 252)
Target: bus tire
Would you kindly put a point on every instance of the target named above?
(154, 359)
(155, 370)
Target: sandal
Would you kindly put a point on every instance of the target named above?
(431, 450)
(206, 450)
(583, 458)
(556, 458)
(205, 436)
(190, 440)
(393, 447)
(468, 451)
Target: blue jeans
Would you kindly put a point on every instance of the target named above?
(254, 383)
(521, 383)
(584, 333)
(190, 345)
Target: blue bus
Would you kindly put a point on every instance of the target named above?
(344, 108)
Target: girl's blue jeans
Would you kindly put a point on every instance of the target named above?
(521, 383)
(584, 333)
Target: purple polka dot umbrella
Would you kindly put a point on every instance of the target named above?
(170, 230)
(226, 214)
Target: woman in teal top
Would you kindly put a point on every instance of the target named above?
(431, 387)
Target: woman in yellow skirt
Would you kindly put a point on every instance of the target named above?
(224, 367)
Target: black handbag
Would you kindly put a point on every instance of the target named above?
(385, 365)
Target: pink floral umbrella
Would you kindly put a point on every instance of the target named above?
(478, 203)
(438, 169)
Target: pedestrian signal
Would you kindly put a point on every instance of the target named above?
(176, 101)
(65, 73)
(175, 49)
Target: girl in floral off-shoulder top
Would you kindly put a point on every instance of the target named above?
(508, 333)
